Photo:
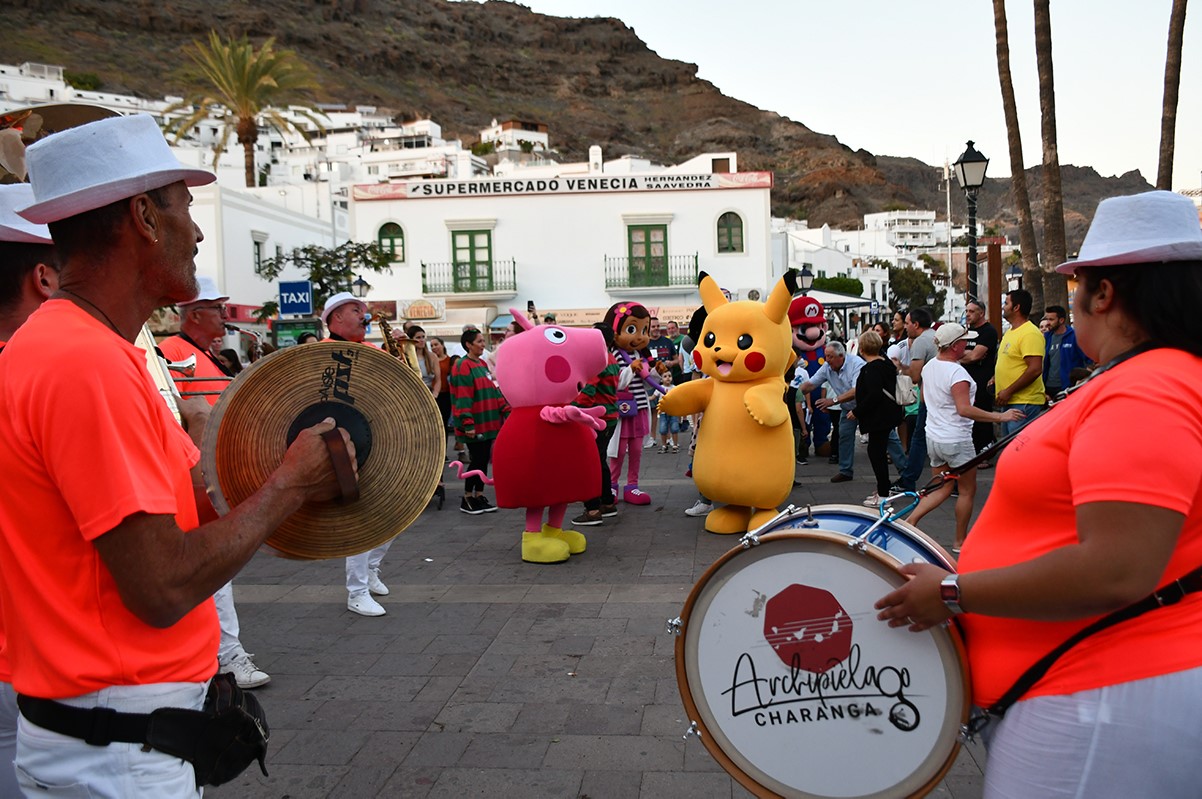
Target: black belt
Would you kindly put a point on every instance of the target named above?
(98, 726)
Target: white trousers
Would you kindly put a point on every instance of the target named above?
(357, 567)
(8, 741)
(227, 618)
(53, 765)
(1134, 739)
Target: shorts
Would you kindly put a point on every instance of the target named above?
(668, 424)
(954, 454)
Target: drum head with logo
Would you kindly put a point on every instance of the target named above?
(799, 691)
(399, 438)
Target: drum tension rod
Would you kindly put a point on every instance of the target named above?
(692, 730)
(674, 626)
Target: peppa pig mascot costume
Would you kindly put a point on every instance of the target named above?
(807, 317)
(546, 453)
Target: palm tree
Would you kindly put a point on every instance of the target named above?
(245, 84)
(1172, 81)
(1018, 176)
(1054, 249)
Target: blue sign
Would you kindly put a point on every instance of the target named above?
(296, 297)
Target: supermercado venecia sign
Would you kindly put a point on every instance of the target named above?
(585, 184)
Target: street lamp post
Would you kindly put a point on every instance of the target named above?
(360, 287)
(806, 279)
(970, 173)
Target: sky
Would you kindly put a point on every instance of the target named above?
(920, 78)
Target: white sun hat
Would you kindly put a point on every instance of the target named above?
(13, 227)
(93, 165)
(208, 291)
(1143, 228)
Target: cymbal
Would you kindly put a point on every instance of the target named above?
(391, 415)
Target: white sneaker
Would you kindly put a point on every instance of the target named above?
(245, 672)
(364, 605)
(699, 509)
(649, 443)
(873, 500)
(375, 584)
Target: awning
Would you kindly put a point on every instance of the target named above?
(501, 322)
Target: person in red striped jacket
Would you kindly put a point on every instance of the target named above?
(479, 409)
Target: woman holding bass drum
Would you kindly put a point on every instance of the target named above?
(1077, 528)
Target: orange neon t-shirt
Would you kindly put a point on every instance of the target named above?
(176, 348)
(86, 441)
(1134, 434)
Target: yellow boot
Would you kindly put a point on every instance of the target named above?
(542, 548)
(576, 542)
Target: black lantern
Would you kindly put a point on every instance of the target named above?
(360, 287)
(806, 279)
(970, 172)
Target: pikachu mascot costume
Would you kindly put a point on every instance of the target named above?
(744, 454)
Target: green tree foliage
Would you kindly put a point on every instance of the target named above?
(911, 288)
(84, 81)
(242, 86)
(937, 266)
(843, 285)
(331, 271)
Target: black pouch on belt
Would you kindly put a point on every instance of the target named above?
(219, 741)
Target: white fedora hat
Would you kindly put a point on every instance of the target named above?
(208, 291)
(14, 227)
(336, 300)
(92, 165)
(1143, 228)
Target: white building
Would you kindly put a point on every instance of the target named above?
(573, 239)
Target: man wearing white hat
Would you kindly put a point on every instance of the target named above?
(346, 317)
(202, 319)
(28, 276)
(201, 322)
(107, 577)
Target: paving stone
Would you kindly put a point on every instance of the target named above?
(617, 753)
(479, 717)
(541, 784)
(398, 716)
(322, 747)
(438, 749)
(506, 751)
(677, 785)
(610, 784)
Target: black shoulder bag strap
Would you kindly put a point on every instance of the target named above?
(1169, 594)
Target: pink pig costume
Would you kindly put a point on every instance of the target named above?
(545, 455)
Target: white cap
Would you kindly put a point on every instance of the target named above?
(208, 291)
(950, 332)
(341, 298)
(93, 165)
(1143, 228)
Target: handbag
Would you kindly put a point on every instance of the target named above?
(628, 406)
(904, 393)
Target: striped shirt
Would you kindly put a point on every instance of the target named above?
(637, 387)
(477, 402)
(602, 392)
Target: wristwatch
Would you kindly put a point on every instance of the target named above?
(949, 592)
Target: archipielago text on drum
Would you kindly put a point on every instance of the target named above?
(844, 681)
(338, 377)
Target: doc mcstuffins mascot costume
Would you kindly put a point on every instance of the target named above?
(546, 453)
(807, 317)
(630, 321)
(744, 454)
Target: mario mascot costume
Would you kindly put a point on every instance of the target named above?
(540, 372)
(744, 454)
(808, 320)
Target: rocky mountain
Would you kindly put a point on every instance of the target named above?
(592, 81)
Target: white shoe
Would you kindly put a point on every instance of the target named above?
(873, 500)
(649, 443)
(245, 672)
(375, 584)
(364, 605)
(699, 509)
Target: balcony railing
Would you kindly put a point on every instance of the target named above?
(449, 277)
(651, 272)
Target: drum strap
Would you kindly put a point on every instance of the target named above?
(1169, 594)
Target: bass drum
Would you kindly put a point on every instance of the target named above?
(797, 689)
(901, 540)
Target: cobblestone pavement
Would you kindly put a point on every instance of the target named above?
(491, 677)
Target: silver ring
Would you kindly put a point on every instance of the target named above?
(909, 620)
